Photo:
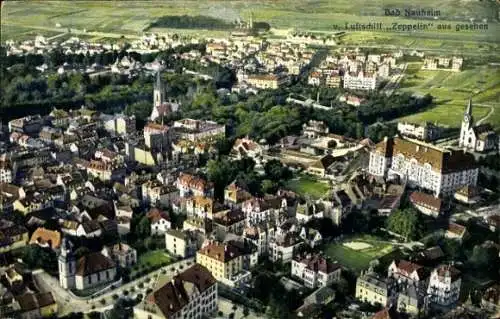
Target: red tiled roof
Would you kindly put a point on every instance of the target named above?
(426, 200)
(154, 215)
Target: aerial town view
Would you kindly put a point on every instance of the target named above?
(250, 159)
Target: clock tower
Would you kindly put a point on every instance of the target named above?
(467, 123)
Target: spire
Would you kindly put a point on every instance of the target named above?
(468, 110)
(158, 80)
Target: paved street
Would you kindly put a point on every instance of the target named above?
(70, 303)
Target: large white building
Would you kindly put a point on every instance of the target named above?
(425, 132)
(444, 286)
(423, 165)
(315, 271)
(191, 294)
(360, 81)
(478, 138)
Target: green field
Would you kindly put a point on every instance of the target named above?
(308, 186)
(358, 259)
(451, 91)
(152, 259)
(132, 17)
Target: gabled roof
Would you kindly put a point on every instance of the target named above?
(406, 268)
(154, 215)
(220, 252)
(426, 200)
(44, 236)
(93, 263)
(178, 292)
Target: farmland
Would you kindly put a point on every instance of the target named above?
(452, 90)
(133, 17)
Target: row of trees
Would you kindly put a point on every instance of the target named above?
(191, 22)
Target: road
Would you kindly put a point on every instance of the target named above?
(70, 303)
(394, 80)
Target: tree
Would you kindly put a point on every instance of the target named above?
(407, 223)
(269, 187)
(37, 257)
(144, 228)
(220, 172)
(484, 257)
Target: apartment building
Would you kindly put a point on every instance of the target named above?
(360, 81)
(315, 271)
(373, 289)
(424, 132)
(444, 286)
(180, 243)
(225, 262)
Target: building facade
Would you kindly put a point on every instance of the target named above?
(423, 165)
(315, 271)
(444, 286)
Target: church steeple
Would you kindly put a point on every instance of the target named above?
(467, 126)
(158, 92)
(158, 85)
(468, 113)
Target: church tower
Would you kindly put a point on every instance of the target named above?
(67, 265)
(158, 92)
(467, 124)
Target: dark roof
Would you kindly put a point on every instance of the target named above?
(31, 301)
(91, 226)
(174, 295)
(93, 263)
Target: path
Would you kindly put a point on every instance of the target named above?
(490, 113)
(57, 36)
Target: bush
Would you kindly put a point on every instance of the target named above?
(140, 285)
(220, 314)
(149, 290)
(115, 296)
(125, 292)
(103, 301)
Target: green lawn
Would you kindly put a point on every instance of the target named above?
(308, 186)
(153, 259)
(358, 259)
